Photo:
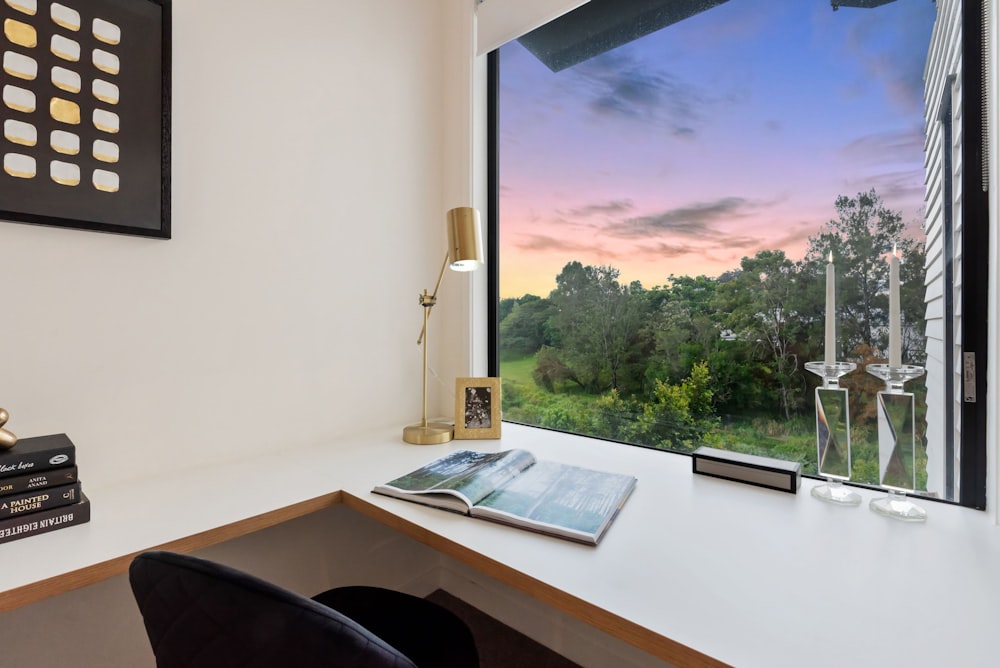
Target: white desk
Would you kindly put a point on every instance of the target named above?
(695, 570)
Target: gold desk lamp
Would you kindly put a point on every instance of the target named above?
(465, 253)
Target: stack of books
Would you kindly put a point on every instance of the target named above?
(40, 488)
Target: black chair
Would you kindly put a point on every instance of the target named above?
(200, 614)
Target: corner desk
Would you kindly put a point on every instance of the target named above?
(696, 571)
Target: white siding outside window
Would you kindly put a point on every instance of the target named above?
(942, 79)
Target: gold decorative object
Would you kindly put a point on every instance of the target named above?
(477, 408)
(7, 439)
(465, 253)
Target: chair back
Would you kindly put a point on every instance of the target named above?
(200, 614)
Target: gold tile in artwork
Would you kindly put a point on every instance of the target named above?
(106, 151)
(64, 111)
(65, 17)
(19, 99)
(107, 32)
(105, 91)
(64, 142)
(106, 181)
(20, 33)
(64, 173)
(106, 61)
(20, 66)
(19, 165)
(19, 132)
(66, 80)
(29, 7)
(106, 121)
(65, 48)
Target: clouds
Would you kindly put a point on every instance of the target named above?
(696, 220)
(725, 134)
(570, 247)
(889, 57)
(620, 84)
(693, 228)
(600, 209)
(886, 147)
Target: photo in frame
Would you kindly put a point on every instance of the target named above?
(477, 408)
(86, 114)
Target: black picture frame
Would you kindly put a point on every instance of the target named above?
(86, 114)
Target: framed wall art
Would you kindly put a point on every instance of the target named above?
(86, 114)
(477, 408)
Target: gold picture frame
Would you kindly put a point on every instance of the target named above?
(477, 408)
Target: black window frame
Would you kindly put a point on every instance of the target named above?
(975, 243)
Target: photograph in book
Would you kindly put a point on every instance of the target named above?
(562, 496)
(515, 488)
(461, 479)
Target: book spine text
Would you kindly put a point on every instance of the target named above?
(25, 483)
(13, 462)
(31, 502)
(43, 521)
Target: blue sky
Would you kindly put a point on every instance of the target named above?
(727, 133)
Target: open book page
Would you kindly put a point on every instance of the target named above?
(459, 480)
(568, 501)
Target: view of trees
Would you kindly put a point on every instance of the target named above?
(718, 361)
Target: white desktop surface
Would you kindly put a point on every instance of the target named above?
(745, 575)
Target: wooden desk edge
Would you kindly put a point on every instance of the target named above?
(648, 641)
(88, 575)
(638, 636)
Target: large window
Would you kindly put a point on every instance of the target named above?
(671, 180)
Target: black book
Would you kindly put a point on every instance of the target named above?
(25, 483)
(44, 521)
(38, 499)
(37, 453)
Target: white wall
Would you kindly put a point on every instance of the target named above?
(308, 212)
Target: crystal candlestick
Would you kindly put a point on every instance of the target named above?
(897, 442)
(833, 434)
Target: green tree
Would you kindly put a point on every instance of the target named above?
(679, 417)
(525, 329)
(550, 369)
(761, 304)
(913, 308)
(686, 328)
(598, 324)
(861, 238)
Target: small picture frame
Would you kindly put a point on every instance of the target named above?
(477, 408)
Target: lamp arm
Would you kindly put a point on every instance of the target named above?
(428, 301)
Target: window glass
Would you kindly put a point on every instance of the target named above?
(676, 182)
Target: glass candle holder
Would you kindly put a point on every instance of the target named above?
(897, 442)
(833, 434)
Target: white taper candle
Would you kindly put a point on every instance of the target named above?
(830, 345)
(894, 331)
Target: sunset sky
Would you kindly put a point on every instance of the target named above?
(730, 132)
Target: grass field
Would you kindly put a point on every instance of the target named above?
(518, 370)
(795, 439)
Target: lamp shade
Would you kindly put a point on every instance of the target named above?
(465, 245)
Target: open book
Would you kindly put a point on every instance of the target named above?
(514, 488)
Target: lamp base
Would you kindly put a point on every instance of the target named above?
(431, 433)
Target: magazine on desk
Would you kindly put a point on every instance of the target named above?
(514, 488)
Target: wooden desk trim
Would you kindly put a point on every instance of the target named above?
(653, 643)
(642, 638)
(60, 584)
(715, 565)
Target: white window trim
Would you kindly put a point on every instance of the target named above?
(500, 21)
